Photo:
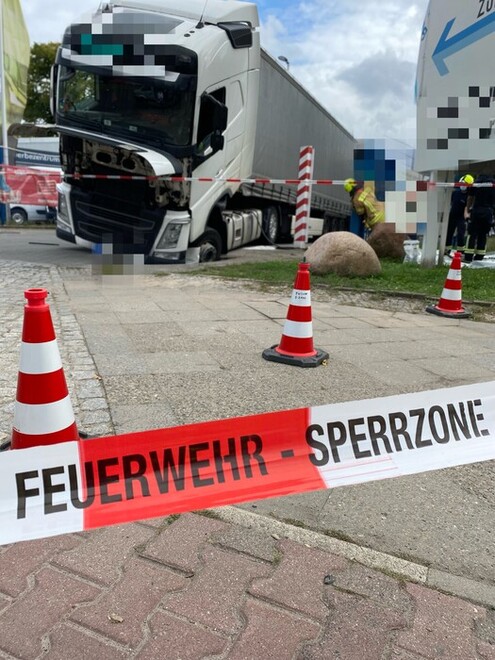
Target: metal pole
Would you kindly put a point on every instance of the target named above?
(3, 103)
(446, 192)
(431, 238)
(4, 90)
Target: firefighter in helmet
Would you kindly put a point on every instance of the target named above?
(364, 203)
(457, 222)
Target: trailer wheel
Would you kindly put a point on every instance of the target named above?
(270, 225)
(210, 246)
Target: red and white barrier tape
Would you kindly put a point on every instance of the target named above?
(204, 179)
(77, 486)
(421, 186)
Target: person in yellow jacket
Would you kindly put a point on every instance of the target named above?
(364, 202)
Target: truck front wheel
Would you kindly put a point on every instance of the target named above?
(270, 224)
(210, 246)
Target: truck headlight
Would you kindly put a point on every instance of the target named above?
(170, 236)
(63, 209)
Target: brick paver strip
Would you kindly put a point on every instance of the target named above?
(298, 581)
(164, 521)
(271, 633)
(357, 629)
(100, 557)
(402, 654)
(133, 598)
(179, 543)
(174, 638)
(34, 614)
(381, 588)
(443, 626)
(217, 590)
(485, 628)
(250, 541)
(22, 559)
(82, 646)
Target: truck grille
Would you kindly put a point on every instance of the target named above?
(131, 229)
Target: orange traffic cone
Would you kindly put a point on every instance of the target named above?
(450, 303)
(43, 412)
(296, 346)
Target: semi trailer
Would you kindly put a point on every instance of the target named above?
(178, 133)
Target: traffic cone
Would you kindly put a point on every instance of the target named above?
(450, 303)
(296, 346)
(43, 412)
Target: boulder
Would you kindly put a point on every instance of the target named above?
(343, 253)
(386, 242)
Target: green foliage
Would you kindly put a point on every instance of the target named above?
(38, 103)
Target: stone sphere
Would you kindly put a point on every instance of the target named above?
(343, 253)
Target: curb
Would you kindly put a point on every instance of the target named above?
(401, 569)
(420, 297)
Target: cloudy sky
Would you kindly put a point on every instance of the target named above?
(357, 57)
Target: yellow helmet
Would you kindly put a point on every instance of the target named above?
(349, 184)
(467, 178)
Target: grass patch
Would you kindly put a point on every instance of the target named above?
(396, 277)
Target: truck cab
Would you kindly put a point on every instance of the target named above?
(149, 98)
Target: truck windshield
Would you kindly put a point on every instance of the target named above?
(141, 110)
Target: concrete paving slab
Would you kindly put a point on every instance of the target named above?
(160, 362)
(449, 365)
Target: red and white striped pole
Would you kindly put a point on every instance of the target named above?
(303, 203)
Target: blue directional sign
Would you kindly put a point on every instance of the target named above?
(447, 47)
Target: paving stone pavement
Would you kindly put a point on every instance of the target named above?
(87, 393)
(183, 588)
(209, 584)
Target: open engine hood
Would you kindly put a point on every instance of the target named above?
(162, 163)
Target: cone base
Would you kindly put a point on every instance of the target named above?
(273, 355)
(461, 314)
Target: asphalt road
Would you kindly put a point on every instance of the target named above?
(40, 246)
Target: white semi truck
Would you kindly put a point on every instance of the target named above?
(147, 90)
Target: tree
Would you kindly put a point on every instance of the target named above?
(38, 90)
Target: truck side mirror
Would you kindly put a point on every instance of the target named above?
(220, 115)
(213, 119)
(53, 89)
(217, 142)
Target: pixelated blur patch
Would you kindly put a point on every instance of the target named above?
(129, 38)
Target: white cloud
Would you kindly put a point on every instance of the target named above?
(357, 58)
(47, 19)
